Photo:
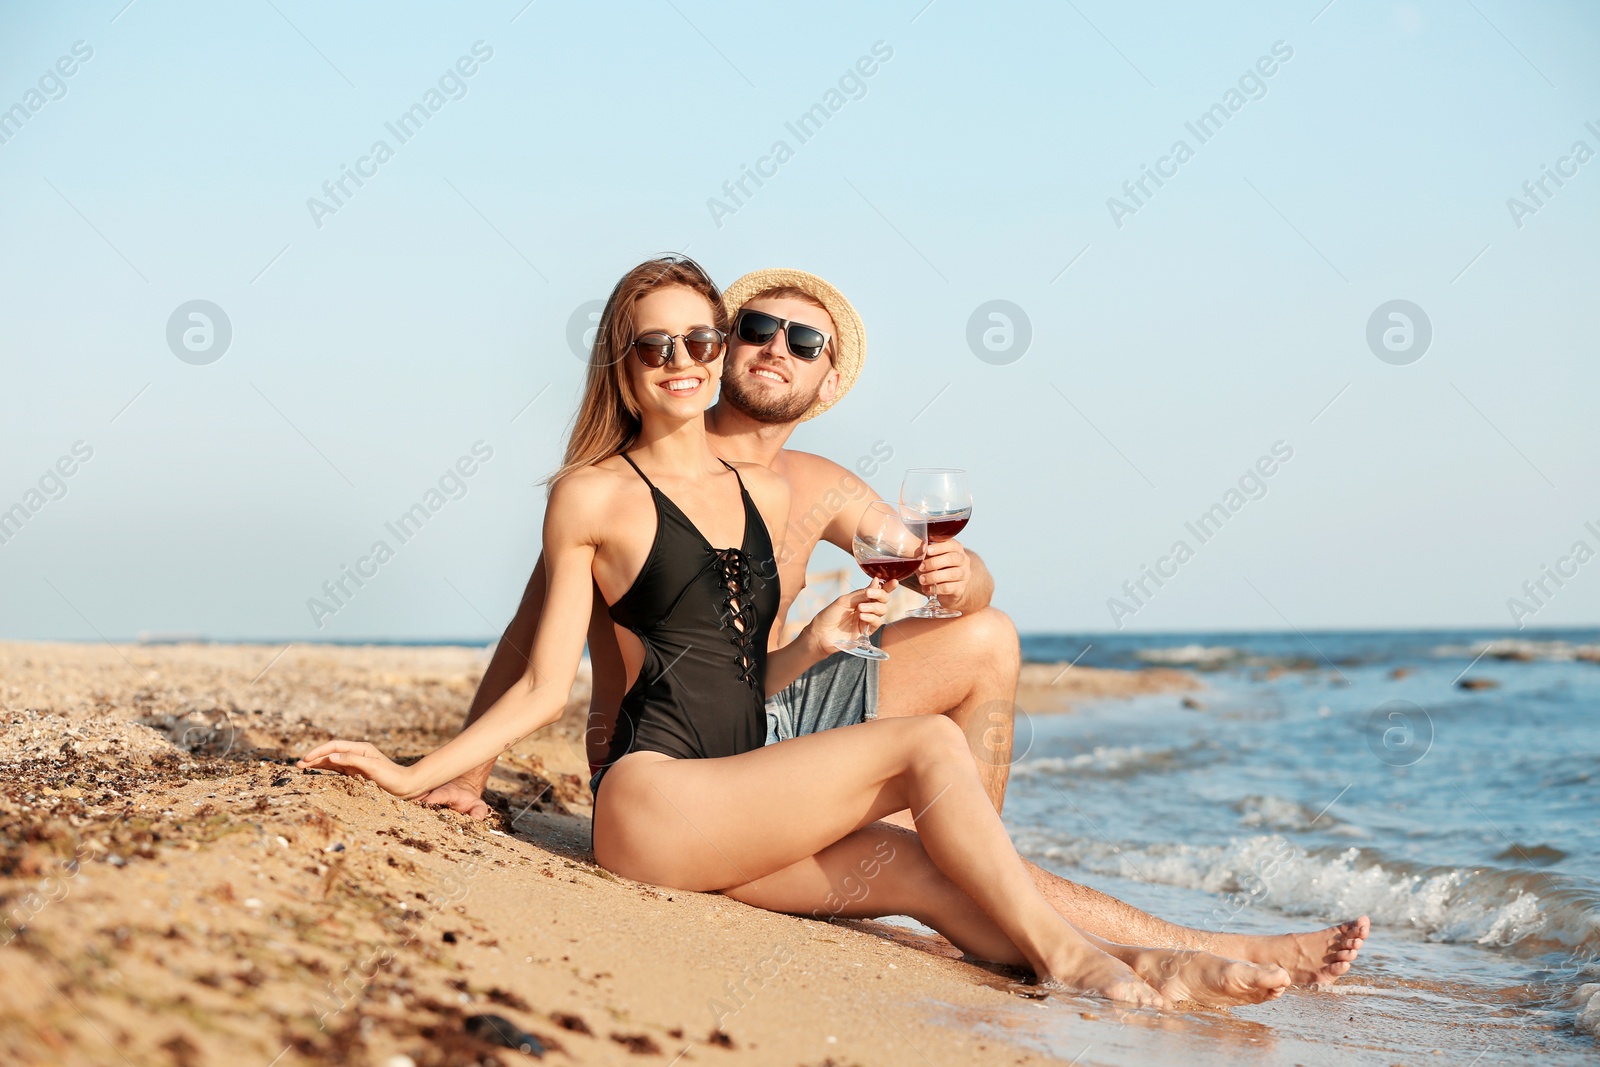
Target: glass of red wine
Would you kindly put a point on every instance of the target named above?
(890, 543)
(941, 496)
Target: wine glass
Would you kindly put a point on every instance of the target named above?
(890, 543)
(941, 495)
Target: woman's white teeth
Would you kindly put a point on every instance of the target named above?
(683, 385)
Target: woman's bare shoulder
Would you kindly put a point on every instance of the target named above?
(591, 491)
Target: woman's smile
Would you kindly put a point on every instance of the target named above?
(682, 385)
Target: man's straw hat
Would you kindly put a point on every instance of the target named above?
(849, 335)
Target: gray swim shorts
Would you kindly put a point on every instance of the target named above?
(842, 690)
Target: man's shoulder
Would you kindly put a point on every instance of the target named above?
(810, 467)
(760, 476)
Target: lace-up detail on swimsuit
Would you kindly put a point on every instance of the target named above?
(702, 614)
(739, 611)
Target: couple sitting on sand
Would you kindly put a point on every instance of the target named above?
(675, 537)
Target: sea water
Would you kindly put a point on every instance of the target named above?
(1321, 776)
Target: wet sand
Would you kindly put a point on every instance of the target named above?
(1052, 688)
(176, 892)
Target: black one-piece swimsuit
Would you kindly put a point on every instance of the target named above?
(703, 615)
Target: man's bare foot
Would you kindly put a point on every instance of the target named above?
(1090, 972)
(1315, 958)
(1203, 978)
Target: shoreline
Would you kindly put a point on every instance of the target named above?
(187, 897)
(1058, 688)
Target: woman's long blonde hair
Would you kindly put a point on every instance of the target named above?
(607, 421)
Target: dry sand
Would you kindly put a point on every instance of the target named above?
(175, 892)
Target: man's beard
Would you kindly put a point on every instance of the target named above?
(737, 391)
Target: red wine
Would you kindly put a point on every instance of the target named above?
(890, 568)
(944, 527)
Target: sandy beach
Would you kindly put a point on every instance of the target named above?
(175, 892)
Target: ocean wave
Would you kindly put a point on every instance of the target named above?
(1483, 905)
(1276, 813)
(1517, 650)
(1190, 655)
(1585, 1004)
(1105, 761)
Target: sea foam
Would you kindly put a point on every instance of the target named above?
(1485, 905)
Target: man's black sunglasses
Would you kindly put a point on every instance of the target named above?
(757, 328)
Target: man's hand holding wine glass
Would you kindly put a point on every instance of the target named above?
(941, 496)
(945, 570)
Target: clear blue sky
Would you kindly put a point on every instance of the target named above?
(1227, 311)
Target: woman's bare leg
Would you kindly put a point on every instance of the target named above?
(717, 823)
(877, 871)
(882, 870)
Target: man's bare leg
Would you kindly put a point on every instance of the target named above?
(967, 668)
(1313, 958)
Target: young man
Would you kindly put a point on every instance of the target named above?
(796, 349)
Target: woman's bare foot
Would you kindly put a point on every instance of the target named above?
(1090, 972)
(1314, 958)
(1186, 974)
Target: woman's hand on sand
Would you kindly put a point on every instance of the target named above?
(361, 759)
(458, 794)
(858, 612)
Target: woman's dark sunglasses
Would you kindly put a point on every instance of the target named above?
(656, 349)
(757, 328)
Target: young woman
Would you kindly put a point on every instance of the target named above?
(682, 545)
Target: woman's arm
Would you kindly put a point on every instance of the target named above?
(860, 611)
(507, 666)
(533, 702)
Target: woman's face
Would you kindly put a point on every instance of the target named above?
(682, 388)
